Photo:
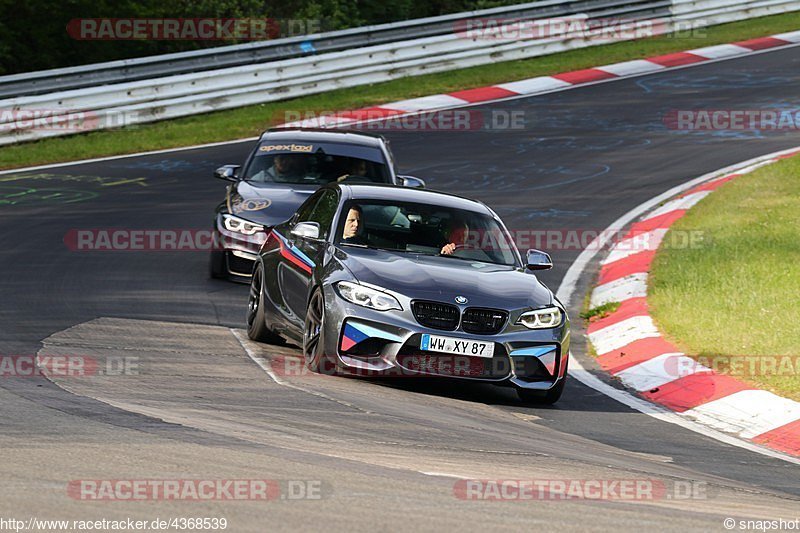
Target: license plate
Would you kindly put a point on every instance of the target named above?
(434, 343)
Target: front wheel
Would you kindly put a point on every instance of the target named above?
(313, 347)
(257, 328)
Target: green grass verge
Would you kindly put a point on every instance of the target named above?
(736, 294)
(250, 121)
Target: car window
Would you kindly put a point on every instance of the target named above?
(430, 229)
(307, 207)
(316, 164)
(324, 211)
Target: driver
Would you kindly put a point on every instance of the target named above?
(285, 168)
(357, 167)
(353, 230)
(458, 237)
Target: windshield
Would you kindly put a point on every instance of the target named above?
(425, 229)
(316, 163)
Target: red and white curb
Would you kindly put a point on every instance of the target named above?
(630, 347)
(545, 84)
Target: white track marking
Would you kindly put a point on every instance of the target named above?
(637, 66)
(569, 283)
(425, 103)
(535, 85)
(687, 202)
(619, 290)
(720, 51)
(792, 36)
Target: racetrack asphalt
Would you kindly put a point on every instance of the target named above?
(201, 408)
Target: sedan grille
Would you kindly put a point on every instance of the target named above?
(436, 315)
(483, 321)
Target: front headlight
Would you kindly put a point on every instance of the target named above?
(549, 317)
(368, 297)
(240, 225)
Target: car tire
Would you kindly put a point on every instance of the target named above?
(548, 397)
(313, 329)
(257, 329)
(216, 265)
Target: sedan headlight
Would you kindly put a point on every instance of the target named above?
(240, 225)
(549, 317)
(367, 297)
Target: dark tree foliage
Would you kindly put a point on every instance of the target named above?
(33, 33)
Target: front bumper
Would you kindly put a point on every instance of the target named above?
(240, 252)
(366, 342)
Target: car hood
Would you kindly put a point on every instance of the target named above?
(266, 204)
(444, 278)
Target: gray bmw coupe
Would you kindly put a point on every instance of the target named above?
(391, 281)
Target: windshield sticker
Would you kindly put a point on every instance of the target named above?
(301, 148)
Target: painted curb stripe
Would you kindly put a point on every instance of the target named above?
(747, 413)
(695, 390)
(719, 51)
(631, 348)
(633, 286)
(588, 75)
(762, 43)
(785, 438)
(677, 59)
(429, 103)
(622, 333)
(634, 264)
(634, 353)
(534, 85)
(482, 94)
(628, 308)
(682, 203)
(627, 68)
(664, 220)
(648, 241)
(657, 371)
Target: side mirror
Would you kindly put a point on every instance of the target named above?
(538, 260)
(306, 230)
(227, 172)
(411, 181)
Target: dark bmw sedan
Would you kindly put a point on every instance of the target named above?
(284, 168)
(390, 281)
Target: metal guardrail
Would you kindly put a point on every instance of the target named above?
(121, 71)
(199, 92)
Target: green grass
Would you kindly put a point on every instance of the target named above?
(738, 293)
(250, 121)
(601, 311)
